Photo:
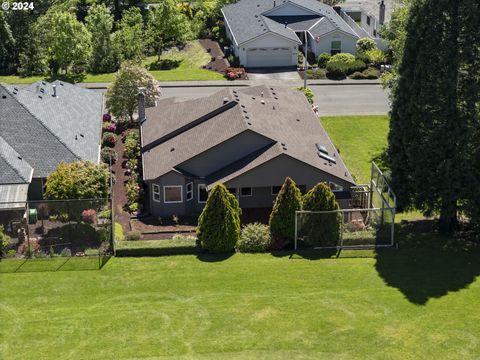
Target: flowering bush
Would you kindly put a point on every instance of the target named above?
(109, 127)
(89, 216)
(108, 140)
(107, 117)
(132, 145)
(234, 73)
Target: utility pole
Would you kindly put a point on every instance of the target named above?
(305, 63)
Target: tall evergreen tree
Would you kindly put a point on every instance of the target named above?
(430, 149)
(7, 46)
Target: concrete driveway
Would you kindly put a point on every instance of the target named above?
(289, 73)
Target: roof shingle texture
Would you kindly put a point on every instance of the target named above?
(249, 19)
(280, 114)
(46, 130)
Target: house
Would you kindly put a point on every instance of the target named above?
(269, 33)
(250, 140)
(42, 125)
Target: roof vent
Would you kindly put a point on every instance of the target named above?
(16, 89)
(263, 102)
(172, 149)
(40, 97)
(261, 93)
(249, 123)
(225, 100)
(4, 96)
(19, 158)
(326, 157)
(298, 120)
(321, 148)
(82, 135)
(54, 90)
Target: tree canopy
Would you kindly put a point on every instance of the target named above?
(435, 121)
(122, 93)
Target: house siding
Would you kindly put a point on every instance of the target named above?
(268, 41)
(349, 43)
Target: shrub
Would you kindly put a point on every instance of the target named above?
(4, 240)
(108, 153)
(365, 44)
(307, 92)
(66, 252)
(301, 58)
(254, 238)
(105, 214)
(321, 229)
(108, 140)
(233, 60)
(344, 64)
(132, 145)
(368, 74)
(375, 56)
(109, 127)
(89, 216)
(282, 218)
(219, 224)
(323, 59)
(133, 236)
(107, 117)
(134, 207)
(234, 73)
(316, 74)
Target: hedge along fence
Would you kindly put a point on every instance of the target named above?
(183, 246)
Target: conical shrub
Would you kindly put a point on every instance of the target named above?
(219, 224)
(320, 229)
(282, 218)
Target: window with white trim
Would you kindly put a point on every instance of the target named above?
(156, 192)
(173, 194)
(276, 190)
(245, 191)
(189, 191)
(202, 193)
(336, 47)
(335, 187)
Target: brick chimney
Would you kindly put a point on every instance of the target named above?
(141, 104)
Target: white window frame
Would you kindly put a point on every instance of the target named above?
(337, 41)
(330, 183)
(189, 193)
(173, 202)
(246, 187)
(277, 192)
(199, 187)
(156, 191)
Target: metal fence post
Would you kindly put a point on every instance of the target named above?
(296, 230)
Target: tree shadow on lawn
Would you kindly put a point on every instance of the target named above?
(209, 257)
(428, 265)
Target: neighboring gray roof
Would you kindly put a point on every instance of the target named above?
(249, 19)
(285, 117)
(13, 168)
(46, 130)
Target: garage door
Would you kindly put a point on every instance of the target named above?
(269, 57)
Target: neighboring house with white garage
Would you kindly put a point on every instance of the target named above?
(269, 33)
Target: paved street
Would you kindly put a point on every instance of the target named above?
(332, 99)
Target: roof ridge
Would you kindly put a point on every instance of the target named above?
(43, 124)
(12, 166)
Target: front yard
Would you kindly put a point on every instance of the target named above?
(405, 304)
(190, 61)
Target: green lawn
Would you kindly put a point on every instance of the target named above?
(405, 304)
(360, 139)
(191, 58)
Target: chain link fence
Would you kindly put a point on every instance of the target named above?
(52, 235)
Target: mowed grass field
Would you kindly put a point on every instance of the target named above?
(401, 304)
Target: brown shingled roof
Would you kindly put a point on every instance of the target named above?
(281, 114)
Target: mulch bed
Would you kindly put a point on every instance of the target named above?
(119, 194)
(218, 62)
